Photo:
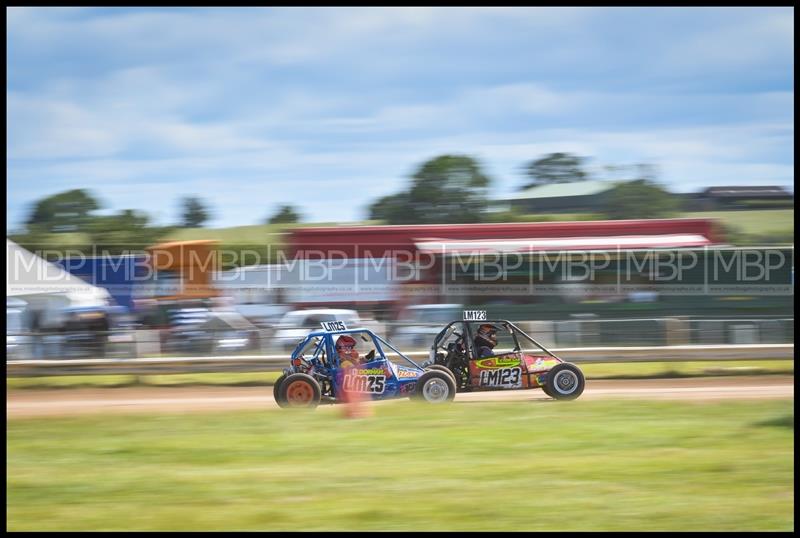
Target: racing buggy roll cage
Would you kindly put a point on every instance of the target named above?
(325, 346)
(462, 350)
(324, 360)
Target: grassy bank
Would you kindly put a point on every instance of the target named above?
(584, 465)
(756, 227)
(753, 223)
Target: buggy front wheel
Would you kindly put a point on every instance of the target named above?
(276, 390)
(565, 382)
(298, 390)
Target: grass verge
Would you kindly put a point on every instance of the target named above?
(592, 371)
(565, 466)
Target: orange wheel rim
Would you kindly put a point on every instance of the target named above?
(299, 392)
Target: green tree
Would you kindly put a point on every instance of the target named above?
(127, 230)
(286, 214)
(555, 168)
(124, 232)
(68, 211)
(639, 199)
(195, 214)
(445, 189)
(394, 209)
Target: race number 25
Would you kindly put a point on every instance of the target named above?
(365, 383)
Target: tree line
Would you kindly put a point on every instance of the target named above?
(444, 189)
(455, 189)
(76, 211)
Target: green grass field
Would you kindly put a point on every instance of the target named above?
(758, 227)
(756, 222)
(237, 235)
(592, 371)
(258, 233)
(564, 466)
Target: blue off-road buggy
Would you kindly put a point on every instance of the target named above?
(321, 371)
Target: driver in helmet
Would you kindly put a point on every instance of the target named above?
(485, 340)
(346, 349)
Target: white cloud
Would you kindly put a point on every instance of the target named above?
(748, 42)
(50, 129)
(335, 107)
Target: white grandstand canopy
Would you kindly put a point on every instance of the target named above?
(29, 276)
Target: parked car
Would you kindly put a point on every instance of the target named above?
(184, 334)
(420, 323)
(231, 332)
(202, 331)
(262, 315)
(94, 331)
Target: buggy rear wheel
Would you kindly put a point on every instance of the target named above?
(442, 368)
(435, 386)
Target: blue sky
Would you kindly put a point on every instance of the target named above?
(330, 108)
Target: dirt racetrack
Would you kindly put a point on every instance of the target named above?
(65, 402)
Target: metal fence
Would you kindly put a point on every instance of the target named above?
(271, 363)
(564, 334)
(592, 332)
(663, 332)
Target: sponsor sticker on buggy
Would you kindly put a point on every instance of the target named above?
(474, 315)
(408, 388)
(370, 371)
(403, 373)
(509, 378)
(497, 362)
(539, 363)
(331, 326)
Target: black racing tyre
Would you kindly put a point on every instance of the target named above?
(299, 390)
(442, 368)
(546, 390)
(435, 386)
(276, 390)
(565, 382)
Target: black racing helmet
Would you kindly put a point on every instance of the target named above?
(486, 335)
